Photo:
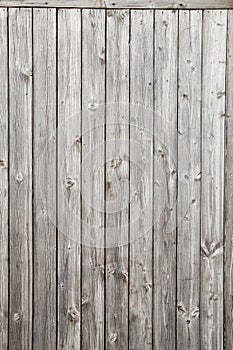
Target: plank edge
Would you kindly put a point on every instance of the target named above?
(137, 4)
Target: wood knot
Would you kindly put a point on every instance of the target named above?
(181, 5)
(102, 56)
(181, 310)
(26, 74)
(198, 177)
(210, 250)
(92, 106)
(19, 178)
(69, 183)
(17, 317)
(85, 301)
(214, 296)
(112, 270)
(113, 338)
(124, 275)
(78, 140)
(147, 286)
(108, 185)
(220, 94)
(3, 163)
(73, 314)
(110, 13)
(121, 15)
(161, 152)
(195, 312)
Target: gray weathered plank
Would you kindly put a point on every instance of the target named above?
(4, 190)
(117, 178)
(20, 86)
(69, 177)
(213, 114)
(141, 173)
(189, 169)
(93, 158)
(159, 4)
(93, 177)
(165, 185)
(44, 178)
(228, 257)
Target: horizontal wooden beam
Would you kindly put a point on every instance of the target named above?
(159, 4)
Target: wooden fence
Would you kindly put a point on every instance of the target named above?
(116, 177)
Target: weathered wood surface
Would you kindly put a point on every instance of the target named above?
(165, 155)
(117, 178)
(213, 116)
(4, 189)
(172, 286)
(20, 148)
(69, 178)
(160, 4)
(141, 173)
(93, 179)
(228, 239)
(44, 163)
(189, 184)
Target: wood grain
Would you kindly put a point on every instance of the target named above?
(228, 252)
(93, 187)
(4, 189)
(189, 170)
(44, 177)
(20, 88)
(116, 124)
(213, 114)
(156, 4)
(165, 150)
(141, 172)
(117, 178)
(69, 178)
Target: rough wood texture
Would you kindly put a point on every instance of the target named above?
(158, 180)
(3, 181)
(213, 115)
(228, 257)
(141, 171)
(160, 4)
(189, 184)
(20, 88)
(165, 149)
(93, 159)
(117, 178)
(44, 178)
(69, 177)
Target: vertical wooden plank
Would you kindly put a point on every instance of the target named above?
(4, 181)
(44, 163)
(228, 259)
(189, 169)
(165, 126)
(93, 119)
(20, 84)
(117, 178)
(69, 160)
(214, 64)
(141, 168)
